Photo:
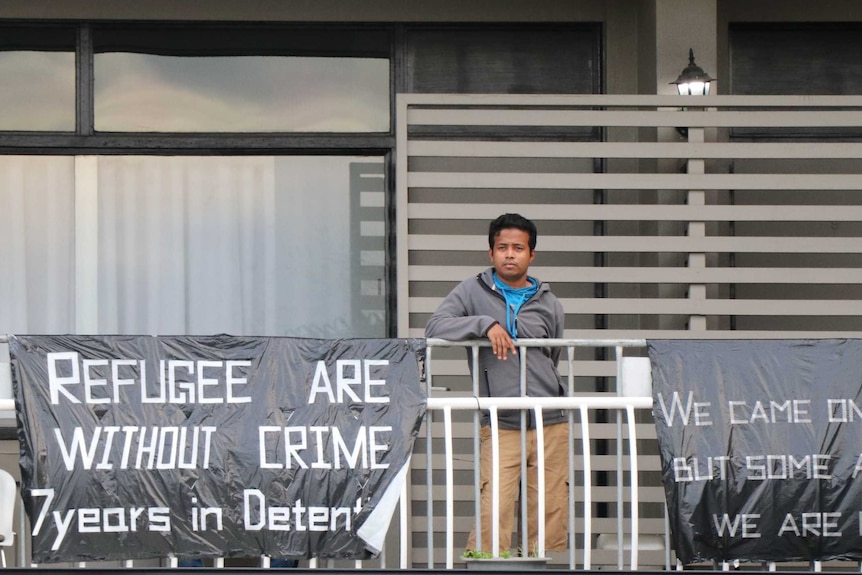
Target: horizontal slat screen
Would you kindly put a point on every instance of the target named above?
(756, 236)
(654, 220)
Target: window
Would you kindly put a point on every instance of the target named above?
(504, 60)
(37, 66)
(536, 59)
(796, 59)
(229, 177)
(247, 245)
(241, 80)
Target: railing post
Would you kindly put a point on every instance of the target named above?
(429, 494)
(570, 352)
(525, 508)
(495, 483)
(405, 528)
(633, 464)
(450, 509)
(477, 460)
(588, 488)
(696, 322)
(618, 357)
(540, 485)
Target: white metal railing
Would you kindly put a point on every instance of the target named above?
(576, 404)
(581, 405)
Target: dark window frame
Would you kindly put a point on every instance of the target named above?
(743, 81)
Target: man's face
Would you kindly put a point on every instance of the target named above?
(512, 256)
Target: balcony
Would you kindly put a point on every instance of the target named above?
(739, 218)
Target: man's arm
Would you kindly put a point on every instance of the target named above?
(453, 321)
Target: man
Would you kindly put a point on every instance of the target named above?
(502, 304)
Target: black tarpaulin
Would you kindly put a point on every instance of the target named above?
(760, 444)
(135, 447)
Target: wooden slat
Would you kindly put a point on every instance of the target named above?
(665, 150)
(629, 100)
(462, 429)
(464, 493)
(755, 307)
(599, 463)
(443, 367)
(639, 212)
(641, 244)
(600, 525)
(821, 175)
(584, 181)
(653, 306)
(629, 118)
(669, 275)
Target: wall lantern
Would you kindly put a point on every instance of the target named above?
(693, 81)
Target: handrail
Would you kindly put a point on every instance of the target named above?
(539, 342)
(576, 402)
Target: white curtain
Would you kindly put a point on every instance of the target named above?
(37, 223)
(185, 245)
(242, 245)
(313, 278)
(250, 245)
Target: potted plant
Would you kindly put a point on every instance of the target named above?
(505, 561)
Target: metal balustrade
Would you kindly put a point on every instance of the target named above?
(582, 532)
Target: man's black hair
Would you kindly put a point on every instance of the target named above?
(509, 221)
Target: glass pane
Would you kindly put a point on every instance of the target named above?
(149, 93)
(37, 78)
(287, 246)
(37, 216)
(539, 60)
(37, 281)
(775, 59)
(796, 59)
(37, 90)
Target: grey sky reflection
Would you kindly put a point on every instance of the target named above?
(37, 91)
(139, 92)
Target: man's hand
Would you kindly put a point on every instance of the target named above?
(501, 343)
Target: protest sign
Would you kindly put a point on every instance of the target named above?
(761, 447)
(135, 447)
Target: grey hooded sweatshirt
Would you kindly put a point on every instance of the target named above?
(472, 308)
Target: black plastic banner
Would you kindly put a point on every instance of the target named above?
(761, 447)
(137, 447)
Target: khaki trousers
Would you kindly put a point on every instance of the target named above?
(556, 487)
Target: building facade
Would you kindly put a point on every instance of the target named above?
(327, 169)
